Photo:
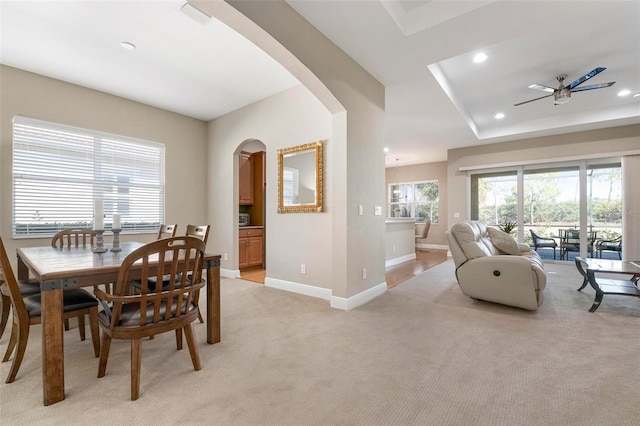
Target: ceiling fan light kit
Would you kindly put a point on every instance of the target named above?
(562, 94)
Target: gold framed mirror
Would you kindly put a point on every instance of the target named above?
(300, 178)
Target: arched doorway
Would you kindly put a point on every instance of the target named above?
(252, 232)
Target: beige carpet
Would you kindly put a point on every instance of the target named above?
(421, 354)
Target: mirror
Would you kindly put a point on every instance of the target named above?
(300, 178)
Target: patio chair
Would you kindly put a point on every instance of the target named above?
(543, 242)
(614, 245)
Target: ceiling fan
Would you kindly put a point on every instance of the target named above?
(562, 94)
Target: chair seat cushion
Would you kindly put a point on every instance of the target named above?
(29, 287)
(130, 315)
(72, 299)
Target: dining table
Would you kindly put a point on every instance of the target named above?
(74, 267)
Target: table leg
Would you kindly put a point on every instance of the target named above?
(213, 301)
(599, 294)
(52, 347)
(585, 279)
(23, 270)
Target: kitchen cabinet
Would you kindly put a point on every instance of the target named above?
(245, 181)
(250, 247)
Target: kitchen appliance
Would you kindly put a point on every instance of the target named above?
(243, 220)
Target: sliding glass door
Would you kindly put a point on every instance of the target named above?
(549, 201)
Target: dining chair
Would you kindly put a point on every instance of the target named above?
(543, 242)
(27, 310)
(167, 231)
(202, 232)
(73, 237)
(154, 310)
(27, 288)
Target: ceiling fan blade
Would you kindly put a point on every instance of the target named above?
(542, 87)
(586, 77)
(531, 100)
(593, 86)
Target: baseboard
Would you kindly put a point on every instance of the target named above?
(359, 299)
(399, 260)
(229, 273)
(432, 246)
(307, 290)
(326, 294)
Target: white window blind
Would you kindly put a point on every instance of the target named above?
(58, 172)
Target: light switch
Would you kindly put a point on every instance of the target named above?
(360, 210)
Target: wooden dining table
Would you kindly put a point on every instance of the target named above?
(73, 267)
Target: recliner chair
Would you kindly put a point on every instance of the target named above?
(484, 273)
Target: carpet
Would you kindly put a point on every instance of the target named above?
(420, 354)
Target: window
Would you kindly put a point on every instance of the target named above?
(417, 199)
(58, 172)
(575, 195)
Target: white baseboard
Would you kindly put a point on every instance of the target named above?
(432, 246)
(307, 290)
(326, 294)
(398, 260)
(229, 273)
(359, 299)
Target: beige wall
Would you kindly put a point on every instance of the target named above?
(35, 96)
(293, 117)
(356, 102)
(419, 173)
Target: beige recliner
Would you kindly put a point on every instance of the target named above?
(486, 272)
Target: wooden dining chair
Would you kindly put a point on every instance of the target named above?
(167, 231)
(27, 310)
(202, 232)
(154, 310)
(27, 288)
(73, 237)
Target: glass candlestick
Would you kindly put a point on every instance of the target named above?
(116, 240)
(99, 248)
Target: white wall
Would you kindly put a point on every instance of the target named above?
(35, 96)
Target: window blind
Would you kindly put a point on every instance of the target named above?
(58, 172)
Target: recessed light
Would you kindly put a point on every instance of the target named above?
(624, 92)
(128, 45)
(636, 95)
(480, 57)
(499, 116)
(386, 150)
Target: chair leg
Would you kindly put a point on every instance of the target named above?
(23, 337)
(136, 365)
(12, 342)
(179, 339)
(4, 315)
(66, 325)
(104, 354)
(193, 347)
(95, 330)
(81, 327)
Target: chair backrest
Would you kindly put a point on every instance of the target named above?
(180, 259)
(74, 237)
(198, 231)
(425, 229)
(167, 231)
(10, 286)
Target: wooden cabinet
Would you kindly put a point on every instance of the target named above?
(250, 247)
(245, 181)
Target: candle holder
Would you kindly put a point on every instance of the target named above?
(116, 240)
(99, 248)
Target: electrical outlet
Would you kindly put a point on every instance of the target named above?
(364, 273)
(360, 210)
(377, 211)
(303, 268)
(225, 257)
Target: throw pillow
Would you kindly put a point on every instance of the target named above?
(504, 242)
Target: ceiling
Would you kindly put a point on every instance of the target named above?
(436, 97)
